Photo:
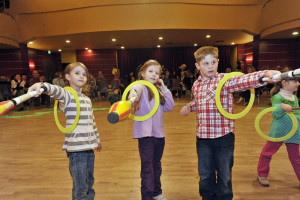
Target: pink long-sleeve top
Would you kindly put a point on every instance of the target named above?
(154, 126)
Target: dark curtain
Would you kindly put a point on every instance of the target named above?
(171, 58)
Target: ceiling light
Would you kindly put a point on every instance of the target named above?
(160, 38)
(30, 42)
(122, 47)
(295, 33)
(232, 43)
(59, 49)
(90, 50)
(86, 48)
(158, 46)
(68, 41)
(114, 39)
(49, 52)
(207, 36)
(195, 45)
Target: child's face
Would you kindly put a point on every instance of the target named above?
(18, 77)
(151, 74)
(77, 77)
(291, 86)
(208, 66)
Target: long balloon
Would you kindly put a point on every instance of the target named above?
(284, 75)
(5, 106)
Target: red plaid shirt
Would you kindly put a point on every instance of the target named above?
(210, 123)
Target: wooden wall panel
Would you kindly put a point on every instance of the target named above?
(46, 64)
(272, 53)
(11, 62)
(14, 61)
(98, 59)
(279, 52)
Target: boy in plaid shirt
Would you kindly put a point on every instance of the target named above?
(215, 133)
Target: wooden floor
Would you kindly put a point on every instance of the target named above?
(33, 166)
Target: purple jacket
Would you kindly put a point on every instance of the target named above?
(154, 126)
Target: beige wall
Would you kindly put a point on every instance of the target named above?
(68, 56)
(9, 33)
(279, 15)
(36, 18)
(139, 17)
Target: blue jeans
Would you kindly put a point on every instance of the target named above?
(151, 150)
(81, 166)
(215, 162)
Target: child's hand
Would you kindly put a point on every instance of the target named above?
(99, 148)
(160, 84)
(286, 107)
(35, 87)
(132, 94)
(185, 110)
(270, 73)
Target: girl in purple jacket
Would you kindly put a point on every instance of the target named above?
(150, 133)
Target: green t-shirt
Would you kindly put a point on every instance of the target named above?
(281, 122)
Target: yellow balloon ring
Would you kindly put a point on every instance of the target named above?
(72, 127)
(156, 96)
(218, 99)
(280, 139)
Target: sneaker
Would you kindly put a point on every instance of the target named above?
(263, 181)
(160, 197)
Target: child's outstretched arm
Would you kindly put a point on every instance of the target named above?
(135, 92)
(54, 91)
(35, 87)
(251, 80)
(269, 74)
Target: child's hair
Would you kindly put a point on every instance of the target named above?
(71, 66)
(204, 51)
(278, 85)
(140, 77)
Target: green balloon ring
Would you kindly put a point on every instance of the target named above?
(156, 96)
(280, 139)
(73, 126)
(218, 99)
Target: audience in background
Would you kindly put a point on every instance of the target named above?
(228, 70)
(45, 98)
(166, 79)
(35, 78)
(17, 86)
(94, 88)
(58, 80)
(185, 82)
(102, 85)
(114, 97)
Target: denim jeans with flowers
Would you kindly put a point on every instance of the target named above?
(81, 166)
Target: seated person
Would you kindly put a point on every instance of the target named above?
(114, 97)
